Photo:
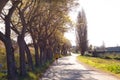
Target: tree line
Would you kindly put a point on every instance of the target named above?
(45, 22)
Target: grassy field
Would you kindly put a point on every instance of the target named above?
(108, 65)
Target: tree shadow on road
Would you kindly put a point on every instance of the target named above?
(67, 71)
(68, 74)
(62, 64)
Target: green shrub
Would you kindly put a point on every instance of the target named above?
(114, 68)
(32, 75)
(3, 76)
(110, 55)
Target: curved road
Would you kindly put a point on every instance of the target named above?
(69, 69)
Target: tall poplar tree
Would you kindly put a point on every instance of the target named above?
(81, 32)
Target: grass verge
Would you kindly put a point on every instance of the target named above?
(108, 65)
(31, 75)
(38, 72)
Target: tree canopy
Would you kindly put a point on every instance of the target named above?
(45, 21)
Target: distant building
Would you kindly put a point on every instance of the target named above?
(108, 49)
(116, 49)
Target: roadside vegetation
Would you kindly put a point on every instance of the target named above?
(36, 24)
(31, 75)
(113, 55)
(108, 65)
(108, 61)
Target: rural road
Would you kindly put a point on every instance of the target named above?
(69, 69)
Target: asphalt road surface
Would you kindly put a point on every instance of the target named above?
(68, 68)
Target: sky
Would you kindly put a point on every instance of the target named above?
(103, 20)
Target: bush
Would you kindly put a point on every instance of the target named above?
(107, 57)
(117, 58)
(110, 56)
(114, 68)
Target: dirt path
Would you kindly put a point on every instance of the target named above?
(69, 69)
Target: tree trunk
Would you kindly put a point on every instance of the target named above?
(29, 56)
(49, 54)
(44, 55)
(37, 63)
(12, 70)
(22, 55)
(82, 53)
(41, 55)
(36, 48)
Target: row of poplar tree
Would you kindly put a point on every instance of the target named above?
(44, 21)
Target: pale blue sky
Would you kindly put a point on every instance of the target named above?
(103, 18)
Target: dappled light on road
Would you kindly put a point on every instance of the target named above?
(69, 69)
